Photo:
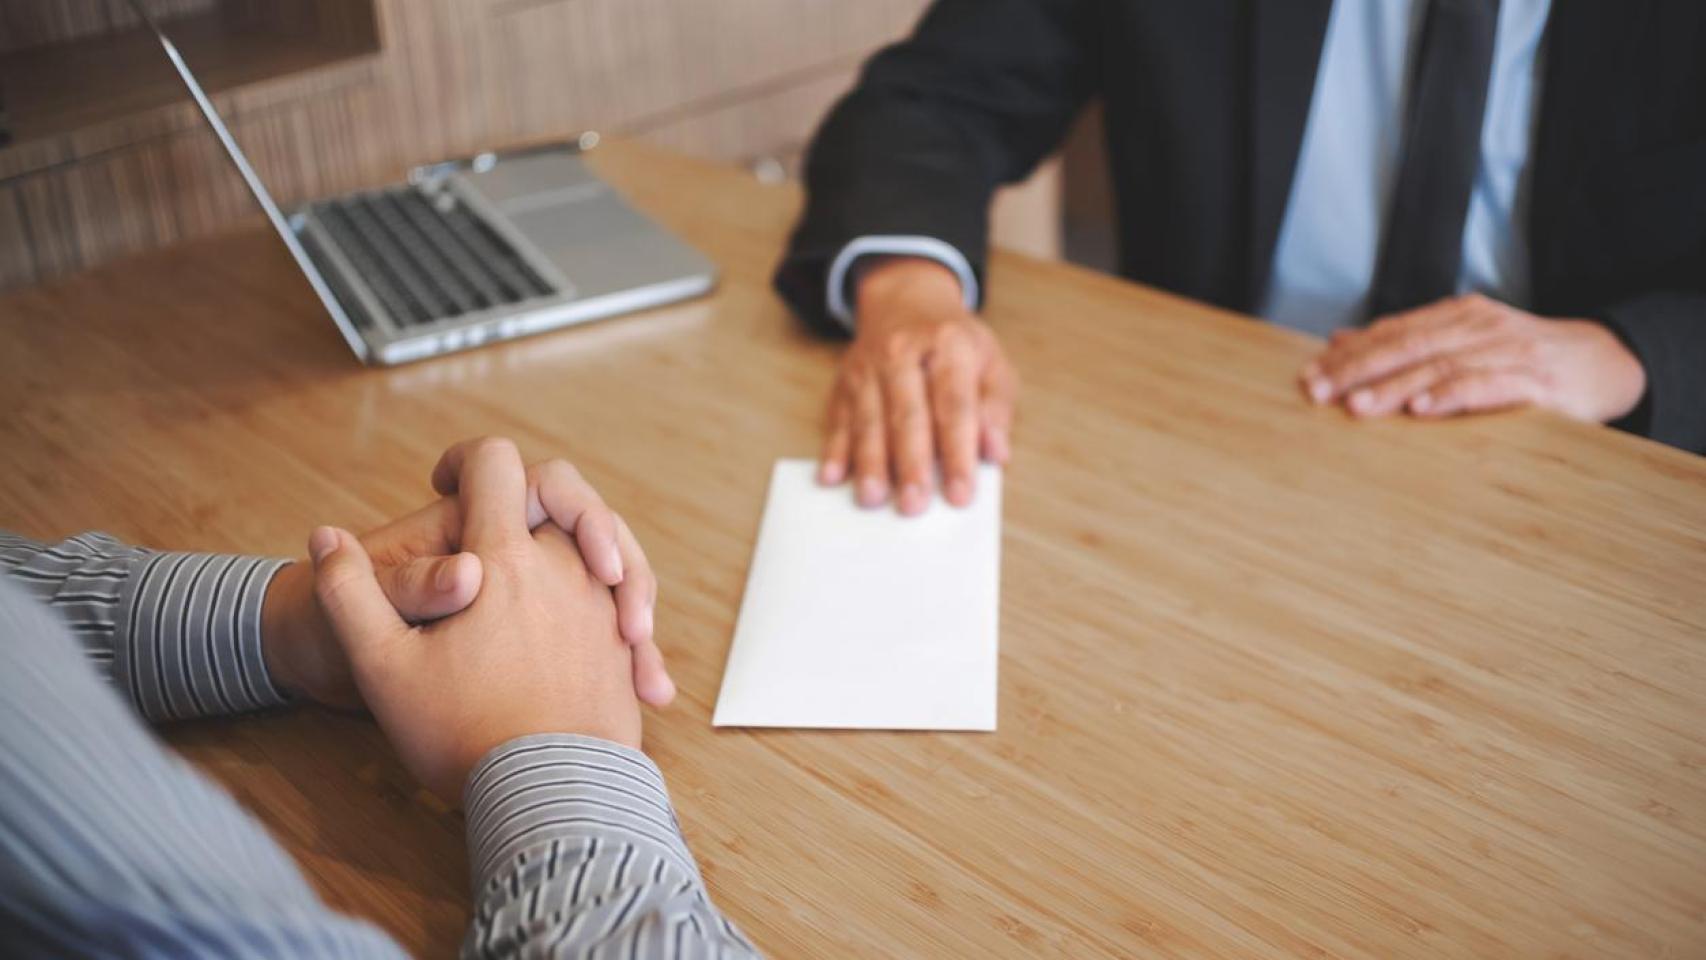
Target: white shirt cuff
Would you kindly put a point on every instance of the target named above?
(895, 246)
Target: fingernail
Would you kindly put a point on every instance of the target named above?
(647, 622)
(998, 449)
(913, 499)
(1361, 401)
(959, 491)
(1421, 402)
(1319, 389)
(870, 491)
(831, 474)
(322, 542)
(444, 579)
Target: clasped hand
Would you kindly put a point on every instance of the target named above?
(537, 651)
(464, 554)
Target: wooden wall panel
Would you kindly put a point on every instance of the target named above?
(1026, 216)
(106, 201)
(53, 235)
(17, 265)
(761, 123)
(30, 23)
(738, 80)
(615, 63)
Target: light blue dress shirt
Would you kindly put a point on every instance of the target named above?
(1329, 240)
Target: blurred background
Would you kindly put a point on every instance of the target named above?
(102, 155)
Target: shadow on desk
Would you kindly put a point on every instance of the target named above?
(375, 843)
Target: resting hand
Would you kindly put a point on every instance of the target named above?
(536, 652)
(1469, 354)
(923, 378)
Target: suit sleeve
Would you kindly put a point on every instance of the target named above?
(975, 98)
(1667, 332)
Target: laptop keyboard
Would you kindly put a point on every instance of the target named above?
(427, 258)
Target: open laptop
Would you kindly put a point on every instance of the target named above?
(470, 251)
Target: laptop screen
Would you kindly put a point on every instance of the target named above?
(274, 216)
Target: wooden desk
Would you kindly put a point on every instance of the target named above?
(1273, 683)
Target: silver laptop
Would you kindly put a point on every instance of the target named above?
(470, 251)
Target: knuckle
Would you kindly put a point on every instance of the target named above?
(896, 352)
(952, 336)
(895, 373)
(908, 419)
(513, 552)
(1479, 303)
(561, 472)
(1414, 341)
(1478, 386)
(1486, 323)
(954, 400)
(868, 445)
(493, 446)
(639, 579)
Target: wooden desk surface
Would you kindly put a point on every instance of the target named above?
(1273, 683)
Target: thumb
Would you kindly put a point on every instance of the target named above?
(427, 588)
(348, 591)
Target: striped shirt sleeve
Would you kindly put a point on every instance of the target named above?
(111, 846)
(575, 849)
(179, 634)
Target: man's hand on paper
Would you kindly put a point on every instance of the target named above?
(923, 379)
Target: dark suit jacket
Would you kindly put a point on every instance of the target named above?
(1205, 103)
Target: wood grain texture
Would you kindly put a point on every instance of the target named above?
(731, 80)
(1273, 683)
(60, 89)
(32, 23)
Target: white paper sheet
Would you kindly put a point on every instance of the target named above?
(865, 619)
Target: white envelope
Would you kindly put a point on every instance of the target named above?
(860, 618)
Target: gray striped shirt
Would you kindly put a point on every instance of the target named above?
(111, 846)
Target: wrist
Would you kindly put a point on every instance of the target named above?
(911, 284)
(289, 615)
(1624, 376)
